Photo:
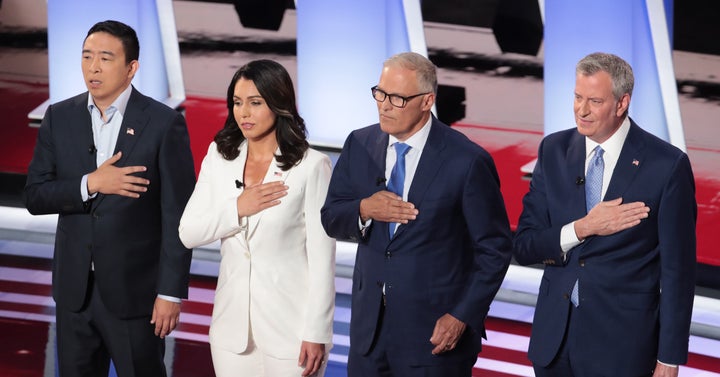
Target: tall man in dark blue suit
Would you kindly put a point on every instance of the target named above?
(117, 168)
(432, 254)
(617, 293)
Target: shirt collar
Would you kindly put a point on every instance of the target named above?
(120, 103)
(416, 141)
(614, 144)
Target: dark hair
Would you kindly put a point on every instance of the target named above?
(276, 88)
(124, 33)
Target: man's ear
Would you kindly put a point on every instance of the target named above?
(623, 105)
(428, 101)
(132, 68)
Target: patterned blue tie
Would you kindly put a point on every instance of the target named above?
(397, 176)
(593, 193)
(594, 179)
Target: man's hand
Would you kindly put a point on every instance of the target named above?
(259, 197)
(312, 355)
(610, 217)
(662, 370)
(446, 334)
(165, 317)
(109, 179)
(388, 207)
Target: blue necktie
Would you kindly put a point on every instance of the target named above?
(593, 194)
(397, 176)
(594, 179)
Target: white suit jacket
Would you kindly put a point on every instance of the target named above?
(277, 271)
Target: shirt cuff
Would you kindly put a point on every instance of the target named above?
(668, 365)
(84, 189)
(170, 298)
(568, 238)
(242, 222)
(363, 226)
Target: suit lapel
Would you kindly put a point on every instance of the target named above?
(429, 163)
(273, 174)
(378, 155)
(575, 162)
(84, 134)
(428, 166)
(134, 121)
(628, 163)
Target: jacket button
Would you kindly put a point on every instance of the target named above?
(582, 262)
(388, 254)
(566, 296)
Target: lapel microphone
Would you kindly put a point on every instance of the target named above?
(239, 184)
(379, 181)
(580, 181)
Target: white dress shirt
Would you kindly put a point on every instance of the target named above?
(612, 147)
(412, 158)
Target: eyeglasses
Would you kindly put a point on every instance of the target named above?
(395, 100)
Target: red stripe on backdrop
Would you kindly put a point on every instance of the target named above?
(22, 348)
(30, 263)
(27, 308)
(703, 362)
(195, 307)
(504, 354)
(25, 288)
(193, 328)
(477, 372)
(508, 326)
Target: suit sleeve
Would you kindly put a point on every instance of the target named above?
(321, 258)
(537, 239)
(209, 215)
(341, 211)
(177, 179)
(489, 229)
(45, 193)
(677, 216)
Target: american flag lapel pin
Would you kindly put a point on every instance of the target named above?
(277, 174)
(636, 162)
(130, 131)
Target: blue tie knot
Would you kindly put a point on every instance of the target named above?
(401, 149)
(598, 154)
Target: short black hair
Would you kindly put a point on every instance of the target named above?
(125, 33)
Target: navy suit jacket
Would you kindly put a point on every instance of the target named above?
(451, 259)
(637, 285)
(133, 243)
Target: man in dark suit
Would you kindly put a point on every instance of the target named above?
(117, 168)
(433, 246)
(617, 293)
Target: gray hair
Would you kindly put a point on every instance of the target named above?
(425, 70)
(620, 72)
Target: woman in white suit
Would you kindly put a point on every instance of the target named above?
(260, 191)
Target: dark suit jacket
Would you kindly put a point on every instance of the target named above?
(451, 259)
(624, 322)
(134, 243)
